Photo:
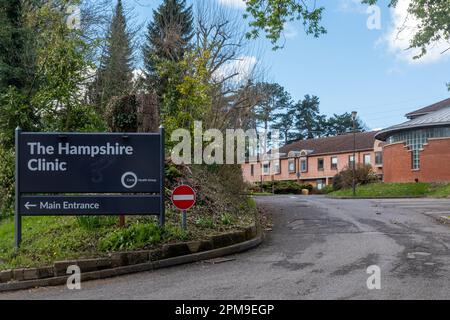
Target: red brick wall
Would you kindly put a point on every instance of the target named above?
(434, 162)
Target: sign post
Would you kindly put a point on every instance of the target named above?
(104, 173)
(17, 217)
(183, 198)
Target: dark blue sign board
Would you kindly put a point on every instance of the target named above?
(114, 173)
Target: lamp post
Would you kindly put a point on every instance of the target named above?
(354, 114)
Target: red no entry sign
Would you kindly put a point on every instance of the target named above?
(183, 197)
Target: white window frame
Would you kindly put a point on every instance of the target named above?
(265, 165)
(290, 163)
(370, 159)
(276, 164)
(334, 161)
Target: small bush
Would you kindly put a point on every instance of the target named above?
(327, 189)
(363, 175)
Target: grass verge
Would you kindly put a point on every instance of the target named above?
(390, 190)
(49, 239)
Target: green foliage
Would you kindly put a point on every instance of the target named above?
(114, 75)
(138, 235)
(15, 111)
(226, 219)
(187, 97)
(95, 222)
(387, 190)
(307, 117)
(271, 17)
(172, 172)
(205, 222)
(363, 175)
(16, 54)
(274, 98)
(340, 124)
(121, 114)
(285, 187)
(175, 233)
(327, 189)
(168, 37)
(7, 181)
(434, 22)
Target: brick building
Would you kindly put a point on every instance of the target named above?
(317, 161)
(419, 149)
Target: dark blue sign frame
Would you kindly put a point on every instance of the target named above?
(117, 173)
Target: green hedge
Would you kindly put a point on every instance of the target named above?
(282, 187)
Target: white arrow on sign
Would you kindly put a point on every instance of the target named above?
(28, 205)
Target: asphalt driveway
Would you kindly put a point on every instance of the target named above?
(319, 248)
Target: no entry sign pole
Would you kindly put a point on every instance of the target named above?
(183, 197)
(184, 220)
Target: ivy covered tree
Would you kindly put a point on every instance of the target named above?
(115, 73)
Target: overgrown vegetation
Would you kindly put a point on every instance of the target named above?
(387, 190)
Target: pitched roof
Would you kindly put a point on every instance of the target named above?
(332, 145)
(434, 107)
(432, 119)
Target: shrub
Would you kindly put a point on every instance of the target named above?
(363, 175)
(284, 187)
(327, 189)
(7, 181)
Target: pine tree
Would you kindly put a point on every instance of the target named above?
(114, 76)
(308, 119)
(13, 71)
(168, 35)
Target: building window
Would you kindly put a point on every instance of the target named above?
(367, 159)
(276, 167)
(334, 163)
(266, 169)
(351, 161)
(320, 164)
(415, 139)
(291, 165)
(304, 165)
(379, 158)
(252, 170)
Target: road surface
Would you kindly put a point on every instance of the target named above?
(319, 248)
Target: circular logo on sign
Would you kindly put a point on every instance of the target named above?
(129, 180)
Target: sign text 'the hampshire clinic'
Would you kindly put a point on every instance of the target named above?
(66, 149)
